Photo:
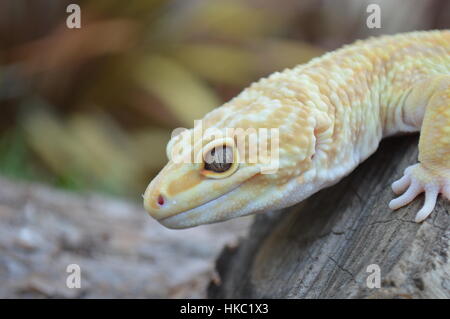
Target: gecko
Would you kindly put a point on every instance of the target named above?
(331, 114)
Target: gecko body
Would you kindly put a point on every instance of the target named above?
(331, 114)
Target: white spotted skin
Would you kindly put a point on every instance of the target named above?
(331, 114)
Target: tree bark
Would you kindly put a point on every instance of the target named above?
(322, 247)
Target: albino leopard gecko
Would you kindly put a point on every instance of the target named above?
(331, 114)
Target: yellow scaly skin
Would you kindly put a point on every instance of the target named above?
(331, 113)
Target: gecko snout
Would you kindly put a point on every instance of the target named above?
(155, 202)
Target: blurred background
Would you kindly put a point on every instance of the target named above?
(93, 108)
(90, 110)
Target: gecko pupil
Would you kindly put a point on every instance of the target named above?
(219, 159)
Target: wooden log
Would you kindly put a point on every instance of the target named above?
(322, 247)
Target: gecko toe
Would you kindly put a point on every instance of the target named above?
(431, 194)
(407, 197)
(401, 185)
(418, 179)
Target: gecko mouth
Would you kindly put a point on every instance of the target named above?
(202, 214)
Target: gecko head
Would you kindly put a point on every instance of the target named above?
(206, 181)
(245, 157)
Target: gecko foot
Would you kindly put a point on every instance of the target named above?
(416, 180)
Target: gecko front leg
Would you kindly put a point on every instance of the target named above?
(432, 174)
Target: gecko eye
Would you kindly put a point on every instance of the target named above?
(219, 159)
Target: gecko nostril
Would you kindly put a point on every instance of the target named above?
(160, 200)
